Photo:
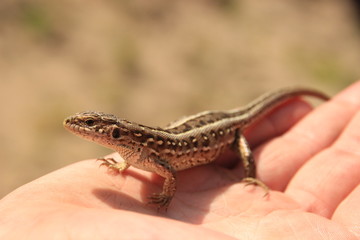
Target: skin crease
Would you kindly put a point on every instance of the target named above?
(311, 164)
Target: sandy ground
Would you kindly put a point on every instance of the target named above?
(153, 63)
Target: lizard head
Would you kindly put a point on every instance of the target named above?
(118, 134)
(98, 127)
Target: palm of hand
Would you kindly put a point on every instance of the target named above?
(312, 169)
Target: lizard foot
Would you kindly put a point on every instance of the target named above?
(112, 164)
(160, 199)
(254, 181)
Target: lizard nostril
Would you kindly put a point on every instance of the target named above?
(67, 121)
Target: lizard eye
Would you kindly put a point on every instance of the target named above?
(115, 133)
(90, 122)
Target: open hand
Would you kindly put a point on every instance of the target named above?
(312, 166)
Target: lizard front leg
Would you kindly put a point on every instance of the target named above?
(164, 169)
(112, 164)
(244, 152)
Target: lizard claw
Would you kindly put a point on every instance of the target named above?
(254, 181)
(161, 200)
(108, 162)
(112, 164)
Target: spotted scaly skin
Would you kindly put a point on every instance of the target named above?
(191, 141)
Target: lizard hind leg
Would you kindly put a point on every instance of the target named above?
(244, 151)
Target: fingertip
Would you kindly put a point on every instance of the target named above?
(350, 94)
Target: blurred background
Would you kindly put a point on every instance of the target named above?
(153, 62)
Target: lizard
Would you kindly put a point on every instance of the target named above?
(189, 142)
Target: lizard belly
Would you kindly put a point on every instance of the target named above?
(201, 157)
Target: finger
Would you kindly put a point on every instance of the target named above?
(275, 124)
(278, 122)
(324, 181)
(348, 212)
(279, 159)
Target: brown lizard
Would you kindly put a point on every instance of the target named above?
(192, 141)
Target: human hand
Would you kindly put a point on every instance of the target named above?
(311, 167)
